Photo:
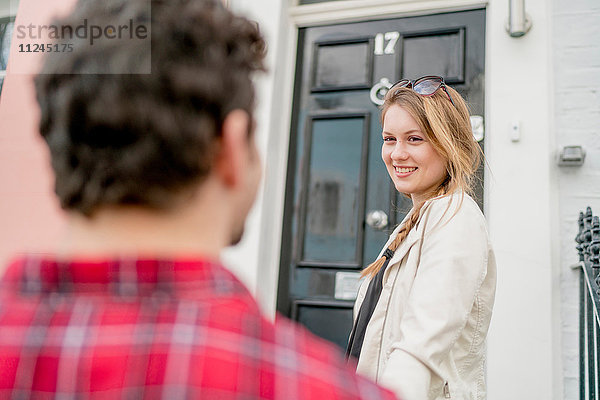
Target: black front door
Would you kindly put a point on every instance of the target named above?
(340, 203)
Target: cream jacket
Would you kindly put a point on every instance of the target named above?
(426, 338)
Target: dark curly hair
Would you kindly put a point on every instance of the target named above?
(134, 138)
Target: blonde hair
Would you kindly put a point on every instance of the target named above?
(448, 129)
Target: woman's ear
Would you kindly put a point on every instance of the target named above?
(232, 154)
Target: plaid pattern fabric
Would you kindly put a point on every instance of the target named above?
(152, 329)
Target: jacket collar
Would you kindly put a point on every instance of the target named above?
(413, 236)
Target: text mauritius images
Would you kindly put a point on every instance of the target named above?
(83, 31)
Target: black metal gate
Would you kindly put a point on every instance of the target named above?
(588, 246)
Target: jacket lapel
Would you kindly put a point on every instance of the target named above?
(401, 251)
(413, 236)
(371, 356)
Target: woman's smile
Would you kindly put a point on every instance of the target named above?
(403, 172)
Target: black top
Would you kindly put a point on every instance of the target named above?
(357, 336)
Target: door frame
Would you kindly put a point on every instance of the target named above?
(277, 174)
(358, 10)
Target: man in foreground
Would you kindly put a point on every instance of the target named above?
(157, 173)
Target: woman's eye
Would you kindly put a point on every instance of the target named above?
(415, 139)
(389, 139)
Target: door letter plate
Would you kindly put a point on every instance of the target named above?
(346, 285)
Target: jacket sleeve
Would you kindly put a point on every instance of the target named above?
(451, 269)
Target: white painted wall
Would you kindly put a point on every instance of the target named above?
(5, 8)
(8, 7)
(576, 57)
(521, 207)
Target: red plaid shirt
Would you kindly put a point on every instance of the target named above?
(150, 329)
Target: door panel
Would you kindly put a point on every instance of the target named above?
(329, 319)
(334, 181)
(342, 65)
(443, 52)
(335, 174)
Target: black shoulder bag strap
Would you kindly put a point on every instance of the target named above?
(357, 336)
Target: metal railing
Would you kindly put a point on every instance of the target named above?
(588, 246)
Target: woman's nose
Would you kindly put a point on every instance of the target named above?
(399, 152)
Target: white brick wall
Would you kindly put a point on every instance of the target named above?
(576, 59)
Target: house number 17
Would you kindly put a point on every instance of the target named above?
(385, 43)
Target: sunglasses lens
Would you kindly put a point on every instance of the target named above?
(427, 86)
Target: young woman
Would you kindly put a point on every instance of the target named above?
(422, 316)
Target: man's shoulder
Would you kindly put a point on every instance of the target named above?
(318, 366)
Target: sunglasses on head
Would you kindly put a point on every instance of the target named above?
(425, 86)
